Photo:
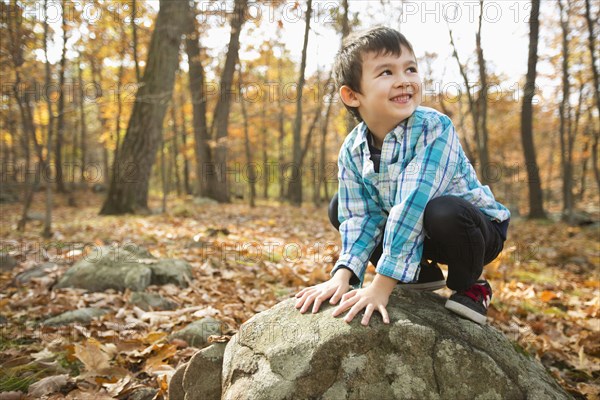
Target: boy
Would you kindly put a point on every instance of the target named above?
(405, 183)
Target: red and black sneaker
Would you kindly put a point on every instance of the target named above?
(430, 278)
(472, 303)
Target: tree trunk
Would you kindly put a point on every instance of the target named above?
(473, 109)
(536, 205)
(218, 181)
(128, 192)
(47, 231)
(186, 163)
(482, 104)
(174, 147)
(592, 48)
(249, 163)
(281, 156)
(83, 124)
(118, 94)
(564, 111)
(264, 131)
(138, 73)
(295, 184)
(97, 81)
(163, 178)
(203, 151)
(60, 129)
(323, 152)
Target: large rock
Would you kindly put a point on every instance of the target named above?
(123, 268)
(426, 352)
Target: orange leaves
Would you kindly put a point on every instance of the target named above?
(547, 295)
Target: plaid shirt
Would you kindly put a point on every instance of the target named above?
(421, 159)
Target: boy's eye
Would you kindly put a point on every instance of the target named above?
(386, 72)
(412, 69)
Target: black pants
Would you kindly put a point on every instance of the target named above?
(458, 234)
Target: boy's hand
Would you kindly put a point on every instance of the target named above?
(334, 288)
(373, 297)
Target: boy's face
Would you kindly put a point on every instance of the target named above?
(391, 90)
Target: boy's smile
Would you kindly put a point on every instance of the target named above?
(391, 91)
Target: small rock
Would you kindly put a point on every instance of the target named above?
(83, 315)
(36, 216)
(35, 272)
(176, 391)
(196, 334)
(147, 301)
(201, 201)
(8, 197)
(144, 393)
(202, 378)
(7, 262)
(99, 188)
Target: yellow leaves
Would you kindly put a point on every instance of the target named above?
(156, 362)
(96, 360)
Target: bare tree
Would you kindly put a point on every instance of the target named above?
(536, 205)
(249, 162)
(128, 192)
(295, 185)
(218, 182)
(565, 116)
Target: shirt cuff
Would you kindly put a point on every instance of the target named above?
(396, 268)
(355, 265)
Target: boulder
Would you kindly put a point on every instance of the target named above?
(127, 267)
(426, 352)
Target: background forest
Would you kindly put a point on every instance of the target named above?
(171, 123)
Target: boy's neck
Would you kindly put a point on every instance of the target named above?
(374, 140)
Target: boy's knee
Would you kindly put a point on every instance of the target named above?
(333, 212)
(442, 213)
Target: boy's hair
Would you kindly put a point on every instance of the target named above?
(348, 61)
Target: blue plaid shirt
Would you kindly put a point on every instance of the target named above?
(421, 159)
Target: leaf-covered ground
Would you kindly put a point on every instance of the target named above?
(546, 292)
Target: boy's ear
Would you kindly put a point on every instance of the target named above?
(349, 97)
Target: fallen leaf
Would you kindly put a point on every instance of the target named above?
(48, 385)
(92, 356)
(547, 295)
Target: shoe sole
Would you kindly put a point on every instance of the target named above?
(426, 286)
(466, 312)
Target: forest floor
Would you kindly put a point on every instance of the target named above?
(546, 290)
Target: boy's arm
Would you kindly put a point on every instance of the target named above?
(426, 177)
(361, 219)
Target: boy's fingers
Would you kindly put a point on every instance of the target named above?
(309, 300)
(349, 295)
(367, 316)
(336, 296)
(305, 290)
(318, 302)
(384, 314)
(354, 306)
(353, 311)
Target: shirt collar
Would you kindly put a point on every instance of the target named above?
(361, 136)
